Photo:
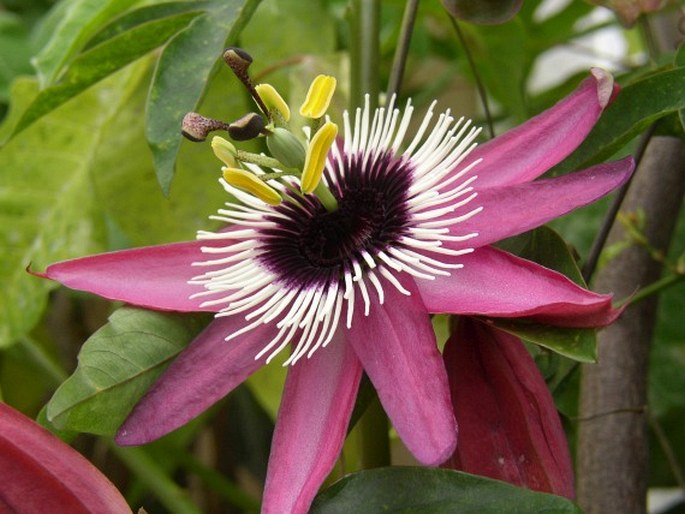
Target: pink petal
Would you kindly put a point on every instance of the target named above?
(496, 283)
(509, 427)
(40, 473)
(512, 210)
(396, 345)
(154, 277)
(527, 151)
(204, 373)
(310, 430)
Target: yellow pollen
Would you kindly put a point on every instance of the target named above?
(315, 160)
(224, 151)
(273, 101)
(243, 179)
(318, 97)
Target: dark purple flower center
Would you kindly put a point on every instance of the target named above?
(314, 247)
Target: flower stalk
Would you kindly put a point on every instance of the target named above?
(364, 26)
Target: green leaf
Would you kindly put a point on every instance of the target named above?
(316, 33)
(504, 61)
(679, 59)
(67, 436)
(146, 14)
(103, 60)
(556, 29)
(15, 51)
(47, 208)
(636, 107)
(79, 21)
(433, 491)
(181, 77)
(548, 248)
(117, 365)
(577, 343)
(129, 192)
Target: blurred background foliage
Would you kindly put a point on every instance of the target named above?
(91, 160)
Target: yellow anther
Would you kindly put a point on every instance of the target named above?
(315, 161)
(318, 97)
(225, 151)
(272, 100)
(243, 179)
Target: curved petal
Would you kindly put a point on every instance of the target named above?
(204, 373)
(509, 428)
(312, 423)
(527, 151)
(496, 283)
(511, 210)
(396, 345)
(155, 277)
(40, 473)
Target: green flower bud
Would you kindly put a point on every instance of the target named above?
(286, 148)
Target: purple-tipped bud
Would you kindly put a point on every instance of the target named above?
(246, 128)
(238, 60)
(197, 127)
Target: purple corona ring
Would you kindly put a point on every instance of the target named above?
(350, 287)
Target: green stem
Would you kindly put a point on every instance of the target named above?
(668, 450)
(374, 428)
(364, 23)
(400, 59)
(648, 39)
(327, 199)
(479, 83)
(37, 355)
(653, 288)
(260, 160)
(218, 483)
(608, 221)
(174, 498)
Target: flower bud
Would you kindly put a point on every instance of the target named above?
(286, 148)
(196, 127)
(246, 128)
(238, 60)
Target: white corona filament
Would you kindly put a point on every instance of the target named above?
(438, 199)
